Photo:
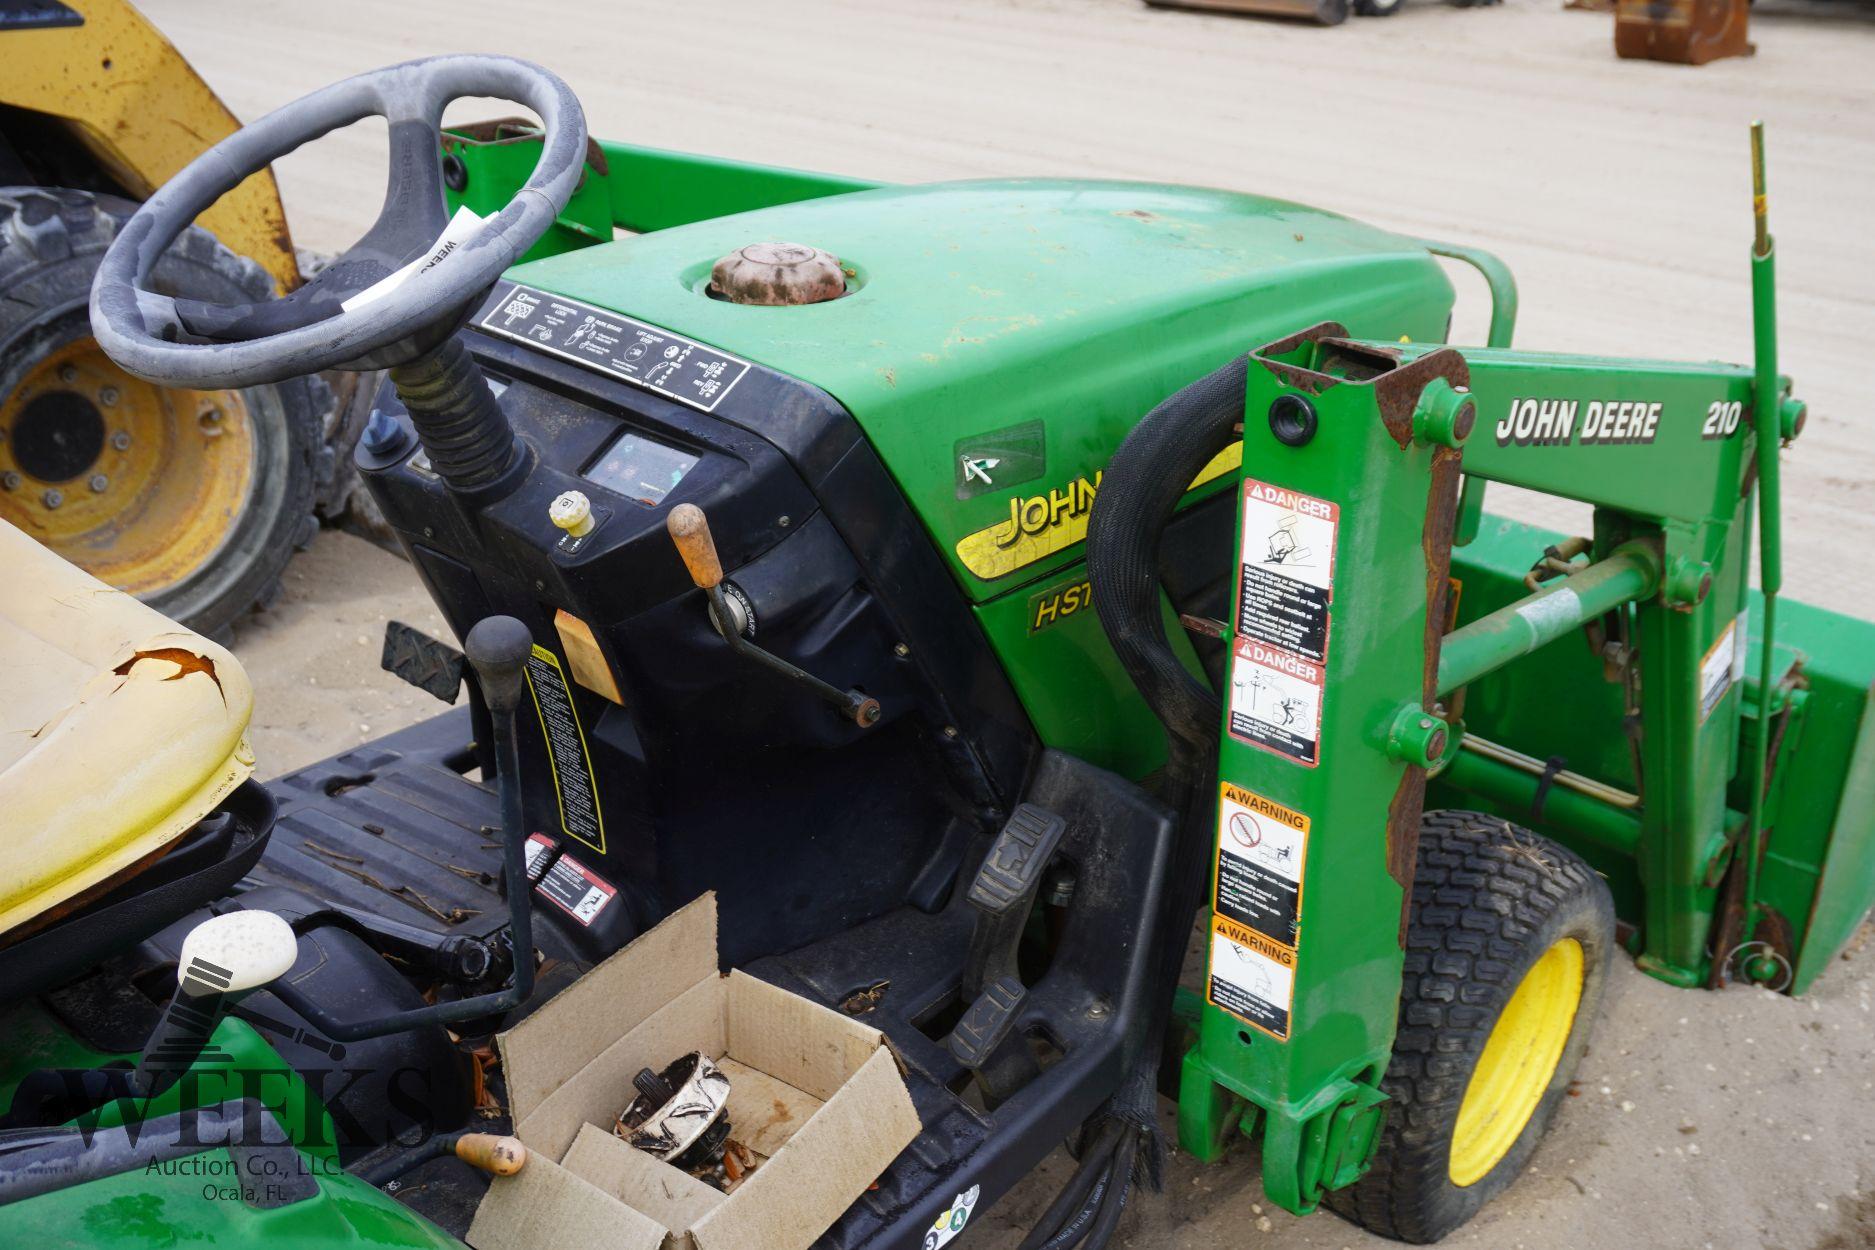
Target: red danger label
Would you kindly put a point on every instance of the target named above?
(576, 889)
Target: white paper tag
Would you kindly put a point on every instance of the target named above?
(460, 230)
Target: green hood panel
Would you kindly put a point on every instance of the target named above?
(982, 306)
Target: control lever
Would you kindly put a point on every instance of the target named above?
(498, 649)
(690, 530)
(223, 958)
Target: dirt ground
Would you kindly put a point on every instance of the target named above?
(1616, 190)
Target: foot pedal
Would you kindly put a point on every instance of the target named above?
(1004, 892)
(431, 665)
(986, 1025)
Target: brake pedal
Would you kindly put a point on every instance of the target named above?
(1004, 892)
(986, 1024)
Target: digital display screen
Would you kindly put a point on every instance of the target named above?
(637, 468)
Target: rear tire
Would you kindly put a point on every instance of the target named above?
(1378, 8)
(1491, 902)
(200, 535)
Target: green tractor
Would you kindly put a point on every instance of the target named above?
(972, 586)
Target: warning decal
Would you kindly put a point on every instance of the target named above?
(1276, 701)
(566, 747)
(1260, 848)
(1251, 977)
(1287, 572)
(1721, 667)
(578, 891)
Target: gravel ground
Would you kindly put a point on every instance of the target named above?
(1616, 190)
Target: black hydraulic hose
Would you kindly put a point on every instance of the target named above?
(1073, 1201)
(1077, 1227)
(1141, 489)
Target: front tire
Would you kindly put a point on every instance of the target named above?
(1507, 953)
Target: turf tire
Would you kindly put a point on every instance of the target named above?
(1489, 898)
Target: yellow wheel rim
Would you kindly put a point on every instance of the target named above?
(1518, 1062)
(136, 484)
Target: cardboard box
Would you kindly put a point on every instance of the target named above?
(816, 1095)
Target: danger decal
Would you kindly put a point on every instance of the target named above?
(1285, 597)
(576, 889)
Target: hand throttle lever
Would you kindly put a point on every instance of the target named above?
(690, 530)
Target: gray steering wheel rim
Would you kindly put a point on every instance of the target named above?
(130, 321)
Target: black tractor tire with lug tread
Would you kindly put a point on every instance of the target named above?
(51, 241)
(1490, 899)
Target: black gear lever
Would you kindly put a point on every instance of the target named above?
(497, 649)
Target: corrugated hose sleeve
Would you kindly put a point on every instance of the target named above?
(1142, 487)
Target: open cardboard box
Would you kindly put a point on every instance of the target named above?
(817, 1096)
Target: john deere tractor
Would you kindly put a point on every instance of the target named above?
(974, 585)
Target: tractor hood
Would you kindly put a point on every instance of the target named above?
(1000, 337)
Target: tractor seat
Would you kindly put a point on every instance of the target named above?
(119, 731)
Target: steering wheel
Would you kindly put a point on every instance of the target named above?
(181, 342)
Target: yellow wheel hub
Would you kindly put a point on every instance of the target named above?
(138, 485)
(1518, 1062)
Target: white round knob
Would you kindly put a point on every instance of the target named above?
(235, 952)
(572, 512)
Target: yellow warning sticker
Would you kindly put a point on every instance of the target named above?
(1251, 977)
(1038, 526)
(1261, 855)
(573, 782)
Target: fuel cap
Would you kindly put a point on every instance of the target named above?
(778, 274)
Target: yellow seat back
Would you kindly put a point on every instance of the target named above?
(119, 730)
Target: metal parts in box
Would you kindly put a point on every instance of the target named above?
(817, 1095)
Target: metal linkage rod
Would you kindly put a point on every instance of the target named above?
(1630, 572)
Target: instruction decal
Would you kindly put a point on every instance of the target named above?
(540, 851)
(645, 355)
(1287, 576)
(576, 889)
(573, 783)
(1260, 849)
(1251, 977)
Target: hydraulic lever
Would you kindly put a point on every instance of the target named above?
(498, 649)
(690, 530)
